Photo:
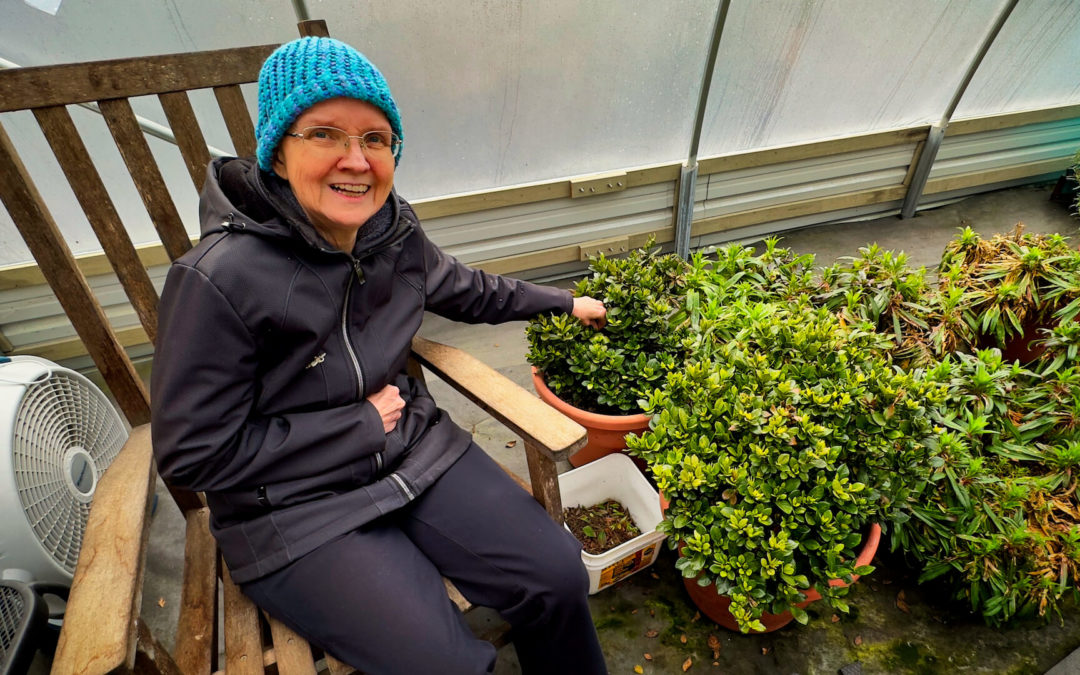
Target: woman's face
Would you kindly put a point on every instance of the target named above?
(339, 189)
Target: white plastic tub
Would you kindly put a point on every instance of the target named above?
(616, 477)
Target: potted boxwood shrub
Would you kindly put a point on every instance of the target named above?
(598, 377)
(778, 447)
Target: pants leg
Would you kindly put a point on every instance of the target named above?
(374, 601)
(502, 550)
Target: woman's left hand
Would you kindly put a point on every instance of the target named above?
(590, 312)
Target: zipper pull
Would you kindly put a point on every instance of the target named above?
(359, 272)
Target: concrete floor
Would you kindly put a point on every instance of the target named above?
(929, 636)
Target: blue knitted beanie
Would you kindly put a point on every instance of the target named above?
(303, 72)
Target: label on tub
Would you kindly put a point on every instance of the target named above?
(620, 569)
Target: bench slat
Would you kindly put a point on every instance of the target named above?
(100, 622)
(86, 183)
(292, 651)
(196, 638)
(38, 229)
(147, 176)
(233, 109)
(33, 87)
(189, 137)
(243, 639)
(553, 434)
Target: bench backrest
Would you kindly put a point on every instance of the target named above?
(47, 91)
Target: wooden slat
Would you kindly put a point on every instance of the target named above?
(147, 176)
(243, 639)
(545, 480)
(976, 125)
(89, 189)
(151, 657)
(337, 667)
(46, 244)
(22, 88)
(313, 28)
(196, 639)
(536, 422)
(800, 151)
(292, 652)
(456, 597)
(99, 631)
(189, 137)
(233, 109)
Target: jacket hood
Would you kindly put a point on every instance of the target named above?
(239, 197)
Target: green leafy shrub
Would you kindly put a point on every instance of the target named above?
(1012, 284)
(1001, 520)
(778, 445)
(609, 370)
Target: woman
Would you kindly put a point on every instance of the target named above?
(339, 493)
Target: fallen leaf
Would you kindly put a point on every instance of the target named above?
(511, 444)
(648, 656)
(633, 611)
(651, 633)
(697, 617)
(716, 663)
(687, 663)
(835, 618)
(858, 640)
(682, 639)
(764, 651)
(901, 603)
(652, 612)
(713, 642)
(639, 670)
(161, 602)
(654, 575)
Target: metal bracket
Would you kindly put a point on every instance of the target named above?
(597, 184)
(684, 210)
(608, 247)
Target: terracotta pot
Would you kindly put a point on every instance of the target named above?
(607, 433)
(715, 606)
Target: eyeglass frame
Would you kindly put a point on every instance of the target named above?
(392, 149)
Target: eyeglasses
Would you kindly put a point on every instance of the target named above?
(373, 143)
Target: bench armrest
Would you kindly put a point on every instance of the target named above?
(99, 632)
(540, 425)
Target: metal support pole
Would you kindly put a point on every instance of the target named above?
(937, 131)
(300, 10)
(684, 206)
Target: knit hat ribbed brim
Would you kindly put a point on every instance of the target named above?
(303, 72)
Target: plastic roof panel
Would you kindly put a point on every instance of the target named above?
(793, 71)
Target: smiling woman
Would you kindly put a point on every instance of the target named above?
(333, 479)
(340, 184)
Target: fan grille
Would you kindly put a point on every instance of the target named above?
(12, 607)
(66, 434)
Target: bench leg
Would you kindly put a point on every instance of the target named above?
(545, 480)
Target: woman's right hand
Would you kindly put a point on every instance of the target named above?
(389, 403)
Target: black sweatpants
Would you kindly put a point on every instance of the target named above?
(374, 598)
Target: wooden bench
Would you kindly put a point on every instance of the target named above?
(102, 631)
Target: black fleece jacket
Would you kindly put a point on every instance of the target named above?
(269, 342)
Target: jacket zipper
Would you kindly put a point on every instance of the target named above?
(404, 488)
(345, 330)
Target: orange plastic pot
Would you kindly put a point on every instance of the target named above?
(715, 606)
(607, 433)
